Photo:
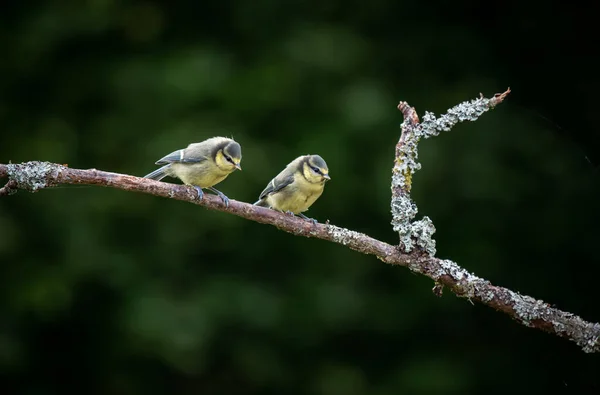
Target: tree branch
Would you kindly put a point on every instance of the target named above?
(9, 188)
(406, 164)
(526, 310)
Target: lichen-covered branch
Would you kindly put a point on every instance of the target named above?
(406, 163)
(34, 176)
(524, 309)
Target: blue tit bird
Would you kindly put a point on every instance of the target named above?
(202, 165)
(297, 187)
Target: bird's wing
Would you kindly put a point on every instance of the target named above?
(180, 157)
(277, 184)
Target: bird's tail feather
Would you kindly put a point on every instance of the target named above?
(261, 203)
(159, 173)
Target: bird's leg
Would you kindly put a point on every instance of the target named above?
(220, 194)
(314, 221)
(290, 213)
(199, 190)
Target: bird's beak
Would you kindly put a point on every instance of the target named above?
(326, 177)
(238, 167)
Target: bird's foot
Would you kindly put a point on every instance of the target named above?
(314, 221)
(220, 194)
(290, 213)
(199, 190)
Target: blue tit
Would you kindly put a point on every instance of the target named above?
(202, 165)
(297, 187)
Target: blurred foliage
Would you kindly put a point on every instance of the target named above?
(121, 293)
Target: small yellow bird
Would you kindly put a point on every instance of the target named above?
(297, 187)
(202, 165)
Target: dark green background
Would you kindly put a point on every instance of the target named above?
(107, 292)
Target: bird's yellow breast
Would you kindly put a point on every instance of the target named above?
(205, 174)
(296, 197)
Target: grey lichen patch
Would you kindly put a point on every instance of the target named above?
(32, 176)
(407, 154)
(465, 111)
(423, 231)
(447, 267)
(527, 308)
(342, 236)
(536, 313)
(404, 211)
(417, 233)
(559, 327)
(486, 295)
(465, 284)
(402, 175)
(591, 343)
(406, 240)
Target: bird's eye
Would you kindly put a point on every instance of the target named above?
(315, 169)
(228, 158)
